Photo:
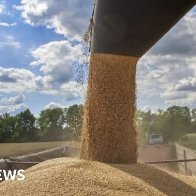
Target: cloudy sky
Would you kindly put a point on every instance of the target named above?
(40, 45)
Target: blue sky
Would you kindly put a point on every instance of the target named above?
(40, 45)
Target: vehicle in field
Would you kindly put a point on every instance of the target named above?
(155, 138)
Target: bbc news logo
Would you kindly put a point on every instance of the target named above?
(12, 175)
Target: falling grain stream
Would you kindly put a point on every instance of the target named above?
(109, 133)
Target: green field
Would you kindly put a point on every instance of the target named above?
(188, 141)
(15, 149)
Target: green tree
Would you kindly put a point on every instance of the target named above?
(193, 120)
(145, 124)
(25, 130)
(51, 123)
(174, 122)
(7, 127)
(74, 119)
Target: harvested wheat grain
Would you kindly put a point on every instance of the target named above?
(166, 182)
(109, 133)
(74, 177)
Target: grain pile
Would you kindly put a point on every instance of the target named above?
(74, 177)
(109, 133)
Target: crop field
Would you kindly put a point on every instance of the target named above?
(15, 149)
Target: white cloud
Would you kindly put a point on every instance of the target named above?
(173, 95)
(153, 109)
(13, 80)
(16, 80)
(2, 8)
(56, 60)
(9, 41)
(12, 109)
(189, 101)
(16, 100)
(169, 67)
(53, 105)
(187, 84)
(5, 24)
(12, 105)
(71, 91)
(67, 17)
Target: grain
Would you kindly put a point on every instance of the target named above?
(74, 177)
(109, 133)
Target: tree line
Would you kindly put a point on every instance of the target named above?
(52, 125)
(172, 123)
(61, 124)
